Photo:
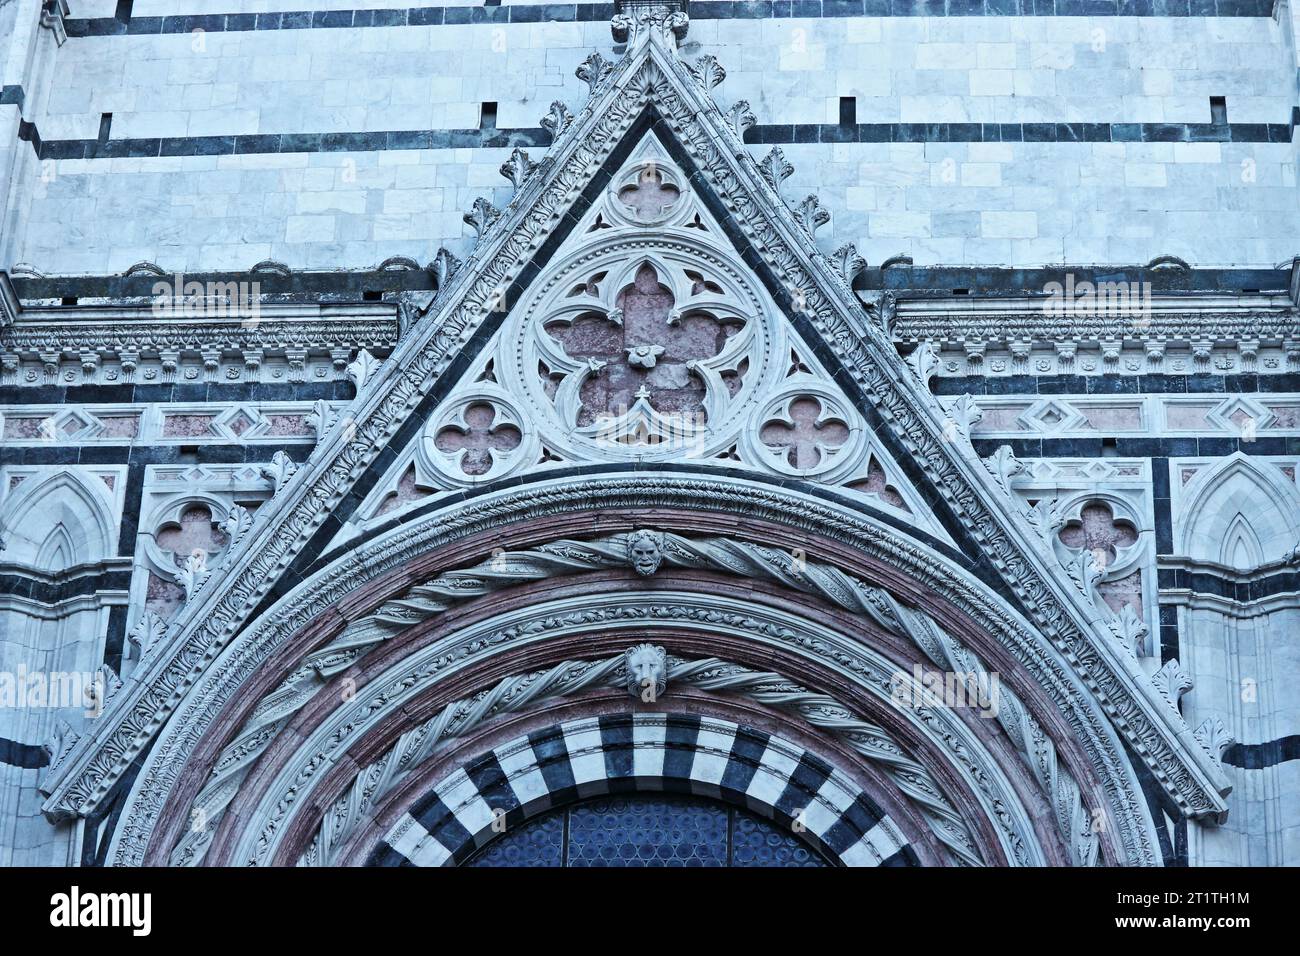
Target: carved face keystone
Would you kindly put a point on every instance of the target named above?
(645, 552)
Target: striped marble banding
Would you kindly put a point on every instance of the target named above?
(590, 756)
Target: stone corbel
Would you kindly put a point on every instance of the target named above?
(297, 359)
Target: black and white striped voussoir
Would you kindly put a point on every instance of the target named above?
(591, 756)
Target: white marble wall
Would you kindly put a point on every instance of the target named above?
(986, 203)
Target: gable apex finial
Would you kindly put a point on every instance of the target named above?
(635, 20)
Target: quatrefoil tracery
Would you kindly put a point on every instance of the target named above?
(647, 339)
(645, 347)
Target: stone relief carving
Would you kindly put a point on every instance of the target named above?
(1187, 780)
(644, 550)
(647, 671)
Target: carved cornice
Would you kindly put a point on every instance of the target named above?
(134, 330)
(1172, 319)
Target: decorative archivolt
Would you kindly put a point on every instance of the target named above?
(521, 691)
(646, 551)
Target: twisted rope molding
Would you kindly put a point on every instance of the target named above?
(1073, 821)
(710, 674)
(569, 557)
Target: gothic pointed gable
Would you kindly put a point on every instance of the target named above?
(443, 394)
(646, 339)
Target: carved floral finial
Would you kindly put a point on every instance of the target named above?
(670, 24)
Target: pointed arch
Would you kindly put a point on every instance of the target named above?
(59, 522)
(1240, 511)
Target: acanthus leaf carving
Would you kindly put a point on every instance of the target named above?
(557, 120)
(234, 526)
(708, 72)
(518, 168)
(193, 574)
(593, 71)
(1128, 627)
(1214, 736)
(775, 168)
(443, 267)
(1172, 682)
(481, 216)
(848, 263)
(1003, 465)
(57, 748)
(320, 418)
(1084, 571)
(741, 118)
(963, 415)
(361, 368)
(280, 470)
(147, 634)
(811, 214)
(924, 363)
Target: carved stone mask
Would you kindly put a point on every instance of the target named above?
(645, 551)
(647, 667)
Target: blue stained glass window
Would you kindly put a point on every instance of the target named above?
(648, 830)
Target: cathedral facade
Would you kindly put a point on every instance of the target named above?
(833, 433)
